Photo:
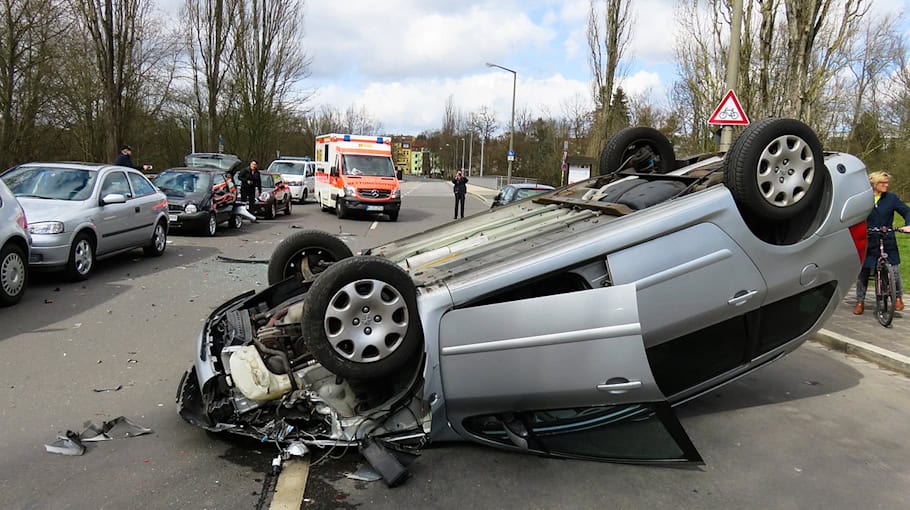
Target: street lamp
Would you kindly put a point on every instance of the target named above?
(512, 125)
(462, 154)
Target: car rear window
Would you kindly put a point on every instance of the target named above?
(187, 182)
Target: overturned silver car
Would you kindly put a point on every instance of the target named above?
(566, 325)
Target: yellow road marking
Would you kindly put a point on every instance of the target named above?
(291, 485)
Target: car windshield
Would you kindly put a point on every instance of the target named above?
(380, 166)
(529, 192)
(286, 167)
(51, 182)
(187, 182)
(218, 161)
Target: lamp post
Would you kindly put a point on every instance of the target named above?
(512, 124)
(462, 153)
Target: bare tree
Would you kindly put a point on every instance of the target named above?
(876, 52)
(608, 39)
(208, 28)
(268, 61)
(29, 34)
(115, 29)
(357, 120)
(577, 112)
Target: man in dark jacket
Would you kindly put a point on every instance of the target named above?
(125, 158)
(461, 189)
(250, 183)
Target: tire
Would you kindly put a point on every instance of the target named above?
(303, 197)
(306, 253)
(13, 274)
(643, 149)
(236, 221)
(287, 208)
(271, 212)
(775, 169)
(211, 227)
(393, 216)
(158, 243)
(360, 318)
(340, 210)
(885, 294)
(81, 261)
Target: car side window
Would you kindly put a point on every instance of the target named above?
(507, 194)
(141, 185)
(115, 182)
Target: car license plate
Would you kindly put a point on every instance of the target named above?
(374, 208)
(172, 217)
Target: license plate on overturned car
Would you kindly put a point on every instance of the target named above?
(374, 208)
(172, 217)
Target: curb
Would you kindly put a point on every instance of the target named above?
(882, 357)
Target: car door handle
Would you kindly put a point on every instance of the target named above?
(741, 297)
(618, 385)
(137, 208)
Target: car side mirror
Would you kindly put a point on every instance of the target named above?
(113, 198)
(333, 171)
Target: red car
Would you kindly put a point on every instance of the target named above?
(275, 196)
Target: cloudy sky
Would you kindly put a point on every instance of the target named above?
(401, 59)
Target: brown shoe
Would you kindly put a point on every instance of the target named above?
(858, 310)
(899, 304)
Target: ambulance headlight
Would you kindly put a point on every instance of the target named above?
(350, 191)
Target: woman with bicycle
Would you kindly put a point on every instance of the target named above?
(881, 217)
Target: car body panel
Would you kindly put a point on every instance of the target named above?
(303, 176)
(215, 192)
(13, 233)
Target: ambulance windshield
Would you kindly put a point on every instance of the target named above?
(380, 166)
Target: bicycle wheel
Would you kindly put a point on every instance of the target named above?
(884, 293)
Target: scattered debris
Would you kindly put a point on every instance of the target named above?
(811, 383)
(48, 301)
(132, 361)
(66, 445)
(77, 325)
(57, 289)
(102, 390)
(250, 260)
(364, 474)
(118, 428)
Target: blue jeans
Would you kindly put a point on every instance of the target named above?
(862, 281)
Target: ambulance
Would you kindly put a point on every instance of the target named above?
(356, 173)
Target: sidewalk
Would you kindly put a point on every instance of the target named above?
(863, 336)
(860, 335)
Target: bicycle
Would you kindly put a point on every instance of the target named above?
(885, 294)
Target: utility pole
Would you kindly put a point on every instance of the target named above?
(726, 134)
(470, 151)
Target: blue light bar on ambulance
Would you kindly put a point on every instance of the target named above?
(379, 139)
(347, 138)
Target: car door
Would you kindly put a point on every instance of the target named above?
(116, 221)
(526, 374)
(147, 205)
(223, 196)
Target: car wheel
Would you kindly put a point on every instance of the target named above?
(306, 253)
(303, 197)
(82, 258)
(13, 274)
(236, 221)
(156, 246)
(360, 318)
(340, 209)
(287, 208)
(212, 226)
(393, 216)
(643, 149)
(775, 169)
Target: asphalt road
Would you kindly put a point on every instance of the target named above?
(816, 430)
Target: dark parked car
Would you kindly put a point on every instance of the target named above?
(275, 196)
(565, 325)
(227, 163)
(519, 191)
(199, 199)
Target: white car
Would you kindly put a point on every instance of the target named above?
(299, 175)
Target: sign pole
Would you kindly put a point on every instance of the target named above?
(726, 135)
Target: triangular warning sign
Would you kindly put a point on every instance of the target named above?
(729, 112)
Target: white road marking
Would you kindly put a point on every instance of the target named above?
(373, 226)
(291, 485)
